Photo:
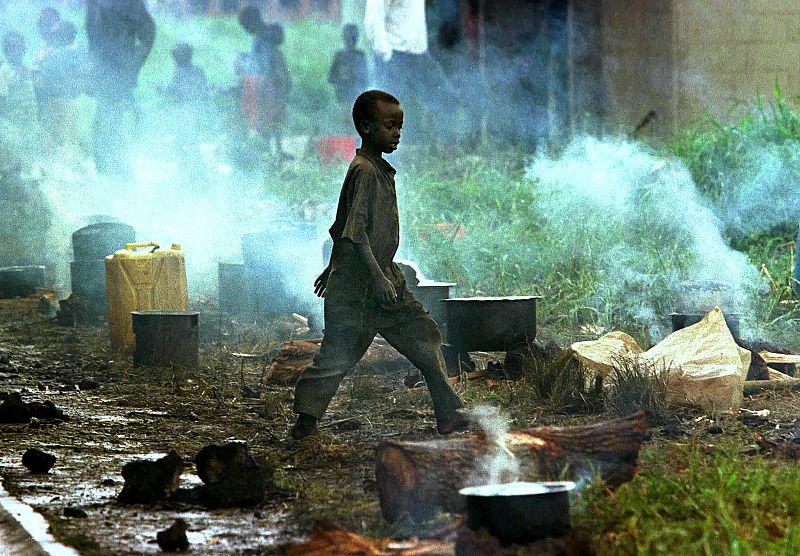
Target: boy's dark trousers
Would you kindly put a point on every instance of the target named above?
(352, 318)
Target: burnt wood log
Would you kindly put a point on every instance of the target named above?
(416, 478)
(295, 355)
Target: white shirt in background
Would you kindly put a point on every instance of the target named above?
(396, 25)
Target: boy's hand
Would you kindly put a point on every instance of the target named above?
(321, 283)
(384, 291)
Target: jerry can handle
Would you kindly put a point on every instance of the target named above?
(132, 246)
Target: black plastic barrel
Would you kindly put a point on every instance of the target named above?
(97, 241)
(234, 293)
(166, 338)
(19, 281)
(279, 264)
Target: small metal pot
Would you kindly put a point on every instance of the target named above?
(491, 323)
(19, 281)
(682, 320)
(520, 513)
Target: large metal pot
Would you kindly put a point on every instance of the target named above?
(682, 320)
(491, 323)
(519, 513)
(96, 241)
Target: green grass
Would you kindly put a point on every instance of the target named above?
(685, 501)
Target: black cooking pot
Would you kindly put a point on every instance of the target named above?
(491, 323)
(19, 281)
(682, 320)
(520, 513)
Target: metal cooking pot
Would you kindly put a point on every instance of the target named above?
(431, 294)
(682, 320)
(19, 281)
(519, 513)
(491, 323)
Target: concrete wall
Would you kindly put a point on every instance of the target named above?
(725, 50)
(688, 58)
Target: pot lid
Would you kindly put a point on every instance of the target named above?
(518, 489)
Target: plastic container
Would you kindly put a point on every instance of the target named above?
(280, 266)
(336, 148)
(234, 294)
(140, 281)
(165, 338)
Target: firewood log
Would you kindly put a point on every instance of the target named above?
(416, 478)
(295, 355)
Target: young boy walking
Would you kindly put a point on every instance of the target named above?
(365, 291)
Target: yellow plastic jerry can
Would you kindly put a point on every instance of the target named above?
(141, 280)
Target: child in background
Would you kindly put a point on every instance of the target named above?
(61, 80)
(274, 80)
(18, 110)
(349, 73)
(189, 90)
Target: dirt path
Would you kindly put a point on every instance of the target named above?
(122, 413)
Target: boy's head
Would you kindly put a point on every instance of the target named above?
(274, 32)
(378, 118)
(48, 20)
(250, 20)
(350, 35)
(14, 47)
(64, 34)
(182, 54)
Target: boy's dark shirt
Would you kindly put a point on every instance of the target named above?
(349, 74)
(367, 214)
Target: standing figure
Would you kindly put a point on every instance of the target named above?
(349, 73)
(365, 291)
(274, 81)
(121, 34)
(189, 90)
(61, 79)
(17, 97)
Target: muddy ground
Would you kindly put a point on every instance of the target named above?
(119, 413)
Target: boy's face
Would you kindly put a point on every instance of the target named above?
(383, 133)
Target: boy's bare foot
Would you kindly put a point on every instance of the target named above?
(305, 426)
(457, 422)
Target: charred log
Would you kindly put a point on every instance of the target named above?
(416, 478)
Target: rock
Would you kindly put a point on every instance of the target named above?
(715, 429)
(173, 539)
(75, 512)
(14, 410)
(37, 461)
(88, 384)
(232, 476)
(147, 482)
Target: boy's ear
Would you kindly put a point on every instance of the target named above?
(363, 127)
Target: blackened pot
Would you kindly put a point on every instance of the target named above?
(19, 281)
(491, 323)
(682, 320)
(520, 513)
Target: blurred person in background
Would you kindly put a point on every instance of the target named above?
(349, 73)
(18, 112)
(398, 33)
(120, 34)
(189, 91)
(61, 79)
(274, 82)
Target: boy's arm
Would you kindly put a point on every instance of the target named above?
(384, 289)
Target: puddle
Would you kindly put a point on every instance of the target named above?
(34, 524)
